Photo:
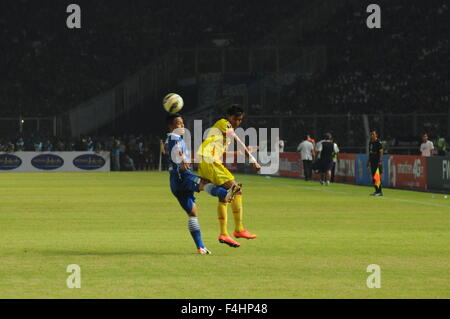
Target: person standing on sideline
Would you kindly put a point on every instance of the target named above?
(374, 162)
(427, 147)
(116, 155)
(307, 154)
(325, 149)
(280, 145)
(441, 146)
(335, 158)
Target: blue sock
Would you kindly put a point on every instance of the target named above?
(194, 228)
(216, 190)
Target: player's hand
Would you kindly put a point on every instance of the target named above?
(256, 166)
(185, 166)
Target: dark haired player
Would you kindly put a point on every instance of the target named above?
(183, 183)
(325, 150)
(211, 168)
(374, 162)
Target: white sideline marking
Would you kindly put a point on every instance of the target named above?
(417, 202)
(348, 193)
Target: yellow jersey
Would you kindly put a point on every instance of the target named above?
(217, 140)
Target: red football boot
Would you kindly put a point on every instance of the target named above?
(229, 241)
(244, 234)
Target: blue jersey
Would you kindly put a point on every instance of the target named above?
(177, 152)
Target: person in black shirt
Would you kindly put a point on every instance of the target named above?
(325, 149)
(375, 160)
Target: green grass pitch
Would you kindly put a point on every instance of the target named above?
(130, 238)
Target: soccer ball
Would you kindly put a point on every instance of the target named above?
(173, 103)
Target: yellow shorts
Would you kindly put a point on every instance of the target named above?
(214, 172)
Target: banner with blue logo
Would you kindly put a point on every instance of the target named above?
(363, 174)
(54, 162)
(9, 162)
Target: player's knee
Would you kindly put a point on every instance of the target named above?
(229, 184)
(202, 183)
(192, 210)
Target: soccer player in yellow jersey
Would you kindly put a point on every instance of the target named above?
(210, 167)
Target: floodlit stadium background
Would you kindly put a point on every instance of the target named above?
(77, 104)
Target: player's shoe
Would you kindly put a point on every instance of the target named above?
(236, 188)
(378, 194)
(327, 183)
(203, 251)
(229, 241)
(244, 234)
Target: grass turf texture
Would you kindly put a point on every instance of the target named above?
(130, 238)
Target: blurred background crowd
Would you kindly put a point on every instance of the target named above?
(400, 69)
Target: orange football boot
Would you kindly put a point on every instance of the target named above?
(229, 241)
(244, 234)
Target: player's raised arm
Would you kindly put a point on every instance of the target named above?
(248, 152)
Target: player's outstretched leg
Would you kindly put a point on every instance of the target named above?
(224, 237)
(238, 212)
(194, 229)
(187, 201)
(239, 230)
(225, 196)
(222, 193)
(212, 189)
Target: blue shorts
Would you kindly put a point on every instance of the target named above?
(183, 189)
(186, 200)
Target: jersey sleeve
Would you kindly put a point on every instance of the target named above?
(185, 152)
(222, 125)
(174, 146)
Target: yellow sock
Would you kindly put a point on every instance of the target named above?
(222, 215)
(237, 213)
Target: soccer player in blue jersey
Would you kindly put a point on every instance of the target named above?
(183, 183)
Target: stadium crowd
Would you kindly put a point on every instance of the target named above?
(48, 69)
(397, 69)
